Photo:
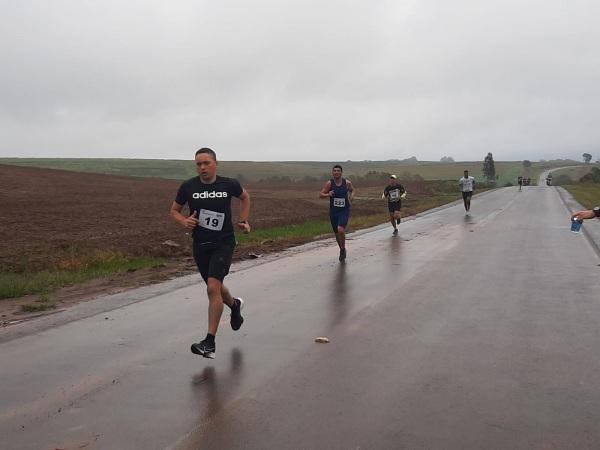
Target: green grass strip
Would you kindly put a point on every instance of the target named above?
(313, 228)
(588, 194)
(298, 230)
(17, 285)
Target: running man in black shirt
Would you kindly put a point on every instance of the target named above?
(394, 192)
(208, 197)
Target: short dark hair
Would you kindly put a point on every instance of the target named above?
(208, 151)
(337, 166)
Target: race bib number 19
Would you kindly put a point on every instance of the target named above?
(211, 220)
(339, 202)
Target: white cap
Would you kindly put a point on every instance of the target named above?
(393, 176)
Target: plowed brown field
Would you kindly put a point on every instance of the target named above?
(47, 216)
(54, 218)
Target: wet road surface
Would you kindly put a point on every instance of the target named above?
(477, 331)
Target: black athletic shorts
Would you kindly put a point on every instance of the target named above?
(339, 219)
(214, 258)
(467, 195)
(394, 206)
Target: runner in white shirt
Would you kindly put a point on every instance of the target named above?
(467, 184)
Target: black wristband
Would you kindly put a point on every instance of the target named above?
(597, 211)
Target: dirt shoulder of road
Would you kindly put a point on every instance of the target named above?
(11, 310)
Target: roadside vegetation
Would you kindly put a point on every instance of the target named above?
(73, 270)
(292, 171)
(572, 175)
(309, 230)
(586, 189)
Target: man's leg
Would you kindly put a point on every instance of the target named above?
(215, 304)
(206, 347)
(341, 235)
(334, 225)
(341, 232)
(236, 305)
(226, 296)
(337, 239)
(394, 222)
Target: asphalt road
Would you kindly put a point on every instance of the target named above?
(477, 331)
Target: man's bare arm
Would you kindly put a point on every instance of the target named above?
(188, 222)
(326, 192)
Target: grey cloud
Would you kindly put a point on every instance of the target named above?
(300, 79)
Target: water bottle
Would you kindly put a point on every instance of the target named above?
(576, 224)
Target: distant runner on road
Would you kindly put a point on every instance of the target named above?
(394, 192)
(208, 197)
(467, 184)
(340, 193)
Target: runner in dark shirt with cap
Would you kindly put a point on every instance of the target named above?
(208, 197)
(394, 192)
(340, 193)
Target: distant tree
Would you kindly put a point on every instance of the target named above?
(447, 159)
(489, 170)
(587, 157)
(526, 163)
(412, 159)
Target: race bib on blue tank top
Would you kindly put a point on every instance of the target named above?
(339, 202)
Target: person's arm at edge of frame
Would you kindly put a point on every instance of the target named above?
(326, 192)
(188, 222)
(244, 212)
(351, 190)
(587, 213)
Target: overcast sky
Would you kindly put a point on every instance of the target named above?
(300, 80)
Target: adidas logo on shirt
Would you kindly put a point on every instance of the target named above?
(205, 194)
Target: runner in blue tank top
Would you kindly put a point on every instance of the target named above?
(340, 193)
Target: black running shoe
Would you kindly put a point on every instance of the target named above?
(236, 316)
(342, 254)
(205, 349)
(395, 231)
(397, 221)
